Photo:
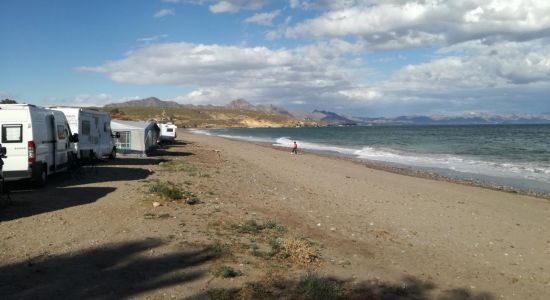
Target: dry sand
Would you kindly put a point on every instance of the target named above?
(97, 235)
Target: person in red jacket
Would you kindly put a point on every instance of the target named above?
(294, 148)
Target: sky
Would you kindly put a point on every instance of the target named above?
(358, 57)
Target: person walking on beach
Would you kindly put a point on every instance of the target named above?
(294, 148)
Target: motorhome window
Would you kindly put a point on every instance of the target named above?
(170, 129)
(85, 127)
(12, 133)
(123, 142)
(61, 134)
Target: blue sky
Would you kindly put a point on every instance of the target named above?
(360, 57)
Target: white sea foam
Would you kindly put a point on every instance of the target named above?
(435, 161)
(200, 131)
(248, 138)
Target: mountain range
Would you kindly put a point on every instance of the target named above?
(329, 117)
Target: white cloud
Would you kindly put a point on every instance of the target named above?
(97, 100)
(258, 74)
(504, 75)
(294, 3)
(402, 24)
(164, 13)
(362, 94)
(232, 6)
(265, 19)
(203, 96)
(154, 38)
(87, 100)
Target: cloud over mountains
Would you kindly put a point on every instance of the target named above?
(485, 55)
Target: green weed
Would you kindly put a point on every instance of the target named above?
(225, 272)
(223, 294)
(166, 190)
(311, 286)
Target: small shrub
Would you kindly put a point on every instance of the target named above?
(178, 166)
(225, 272)
(272, 224)
(219, 250)
(223, 294)
(312, 286)
(275, 244)
(191, 198)
(299, 250)
(256, 252)
(250, 226)
(151, 216)
(166, 190)
(255, 290)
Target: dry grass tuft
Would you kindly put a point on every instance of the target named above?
(299, 251)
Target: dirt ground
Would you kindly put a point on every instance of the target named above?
(254, 222)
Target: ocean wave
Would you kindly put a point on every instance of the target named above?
(200, 131)
(433, 161)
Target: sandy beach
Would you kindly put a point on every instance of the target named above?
(389, 225)
(381, 235)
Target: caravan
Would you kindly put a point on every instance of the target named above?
(94, 132)
(168, 132)
(38, 140)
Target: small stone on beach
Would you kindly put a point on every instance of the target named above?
(156, 204)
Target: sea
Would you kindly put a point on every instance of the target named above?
(513, 156)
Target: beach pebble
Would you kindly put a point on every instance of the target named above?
(332, 228)
(318, 224)
(156, 204)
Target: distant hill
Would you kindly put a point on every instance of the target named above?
(242, 104)
(319, 117)
(471, 118)
(323, 116)
(238, 113)
(239, 104)
(147, 102)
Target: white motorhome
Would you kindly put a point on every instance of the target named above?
(168, 132)
(95, 138)
(38, 140)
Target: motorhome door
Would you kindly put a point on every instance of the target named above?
(62, 146)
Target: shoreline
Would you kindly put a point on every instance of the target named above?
(406, 171)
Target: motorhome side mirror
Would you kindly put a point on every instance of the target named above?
(2, 151)
(117, 135)
(73, 138)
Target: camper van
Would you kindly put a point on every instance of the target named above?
(38, 140)
(168, 132)
(95, 138)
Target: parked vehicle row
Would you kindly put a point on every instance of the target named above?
(43, 141)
